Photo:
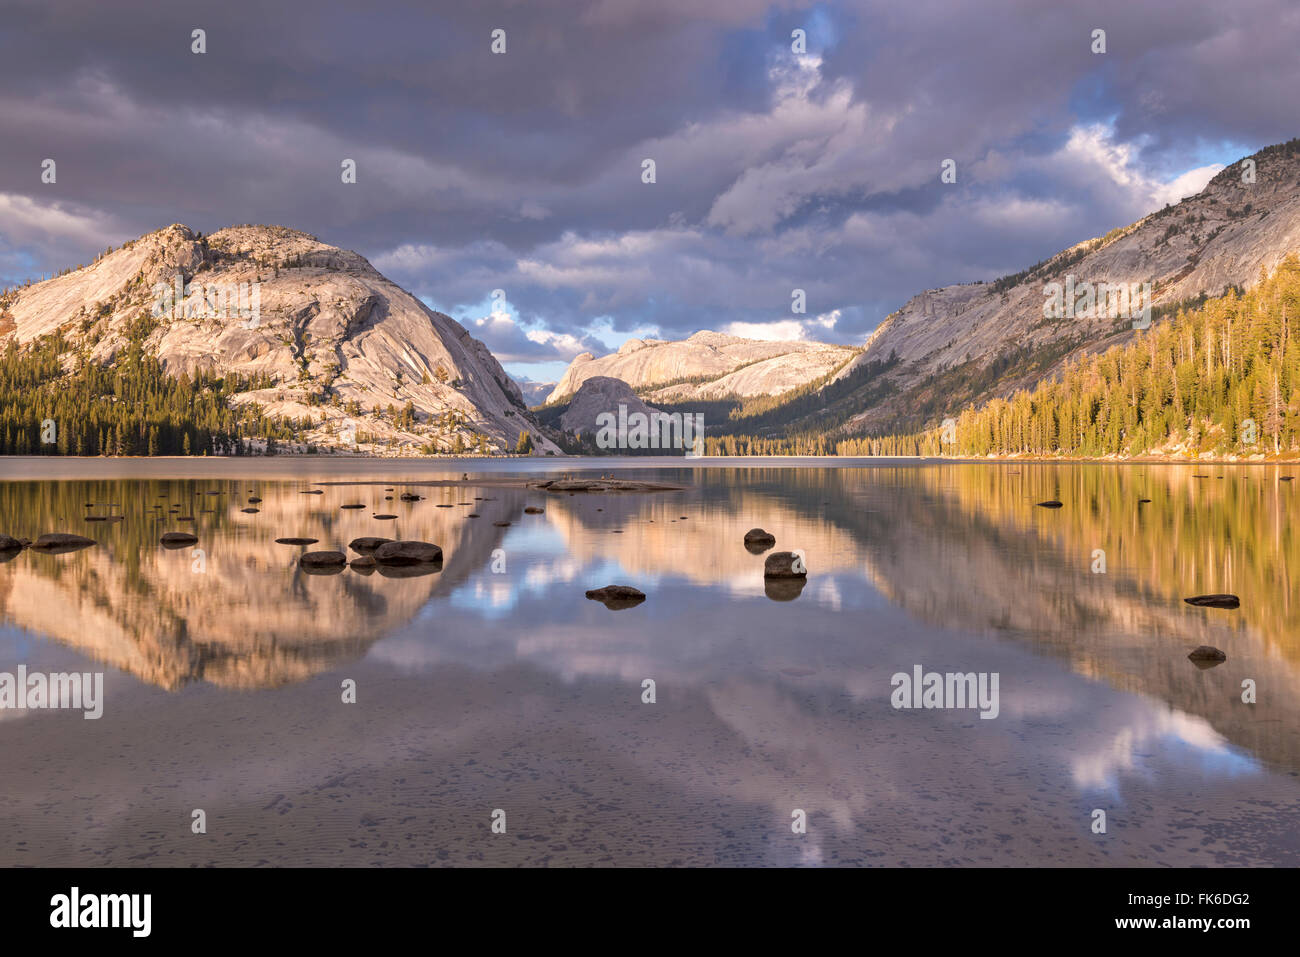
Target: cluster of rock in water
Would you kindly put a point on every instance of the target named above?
(54, 543)
(1204, 656)
(784, 573)
(396, 558)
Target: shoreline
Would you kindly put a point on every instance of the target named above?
(322, 469)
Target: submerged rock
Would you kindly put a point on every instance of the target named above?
(322, 560)
(1214, 601)
(384, 518)
(410, 571)
(367, 544)
(410, 497)
(312, 491)
(9, 544)
(57, 543)
(296, 541)
(365, 565)
(783, 589)
(533, 510)
(1050, 503)
(616, 597)
(603, 485)
(501, 524)
(250, 510)
(758, 540)
(178, 539)
(353, 505)
(408, 553)
(784, 565)
(1207, 653)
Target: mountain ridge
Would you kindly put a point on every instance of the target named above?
(705, 365)
(1228, 235)
(334, 342)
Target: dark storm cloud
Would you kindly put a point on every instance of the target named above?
(522, 171)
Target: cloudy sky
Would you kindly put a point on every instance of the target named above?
(523, 171)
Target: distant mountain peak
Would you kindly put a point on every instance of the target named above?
(707, 364)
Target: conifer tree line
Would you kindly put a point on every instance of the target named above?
(1223, 377)
(131, 407)
(1220, 376)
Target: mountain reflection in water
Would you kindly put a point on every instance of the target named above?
(494, 682)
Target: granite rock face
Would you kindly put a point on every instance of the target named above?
(723, 365)
(338, 342)
(598, 395)
(1228, 234)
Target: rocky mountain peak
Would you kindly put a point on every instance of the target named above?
(326, 337)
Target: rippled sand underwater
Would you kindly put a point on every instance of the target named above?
(493, 685)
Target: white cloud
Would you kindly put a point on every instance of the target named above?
(25, 220)
(510, 342)
(785, 330)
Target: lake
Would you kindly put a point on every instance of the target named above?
(492, 691)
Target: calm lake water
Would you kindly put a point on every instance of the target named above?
(495, 684)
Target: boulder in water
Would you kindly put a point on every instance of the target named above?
(1207, 655)
(367, 544)
(617, 597)
(408, 553)
(58, 543)
(759, 540)
(785, 565)
(322, 560)
(1214, 601)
